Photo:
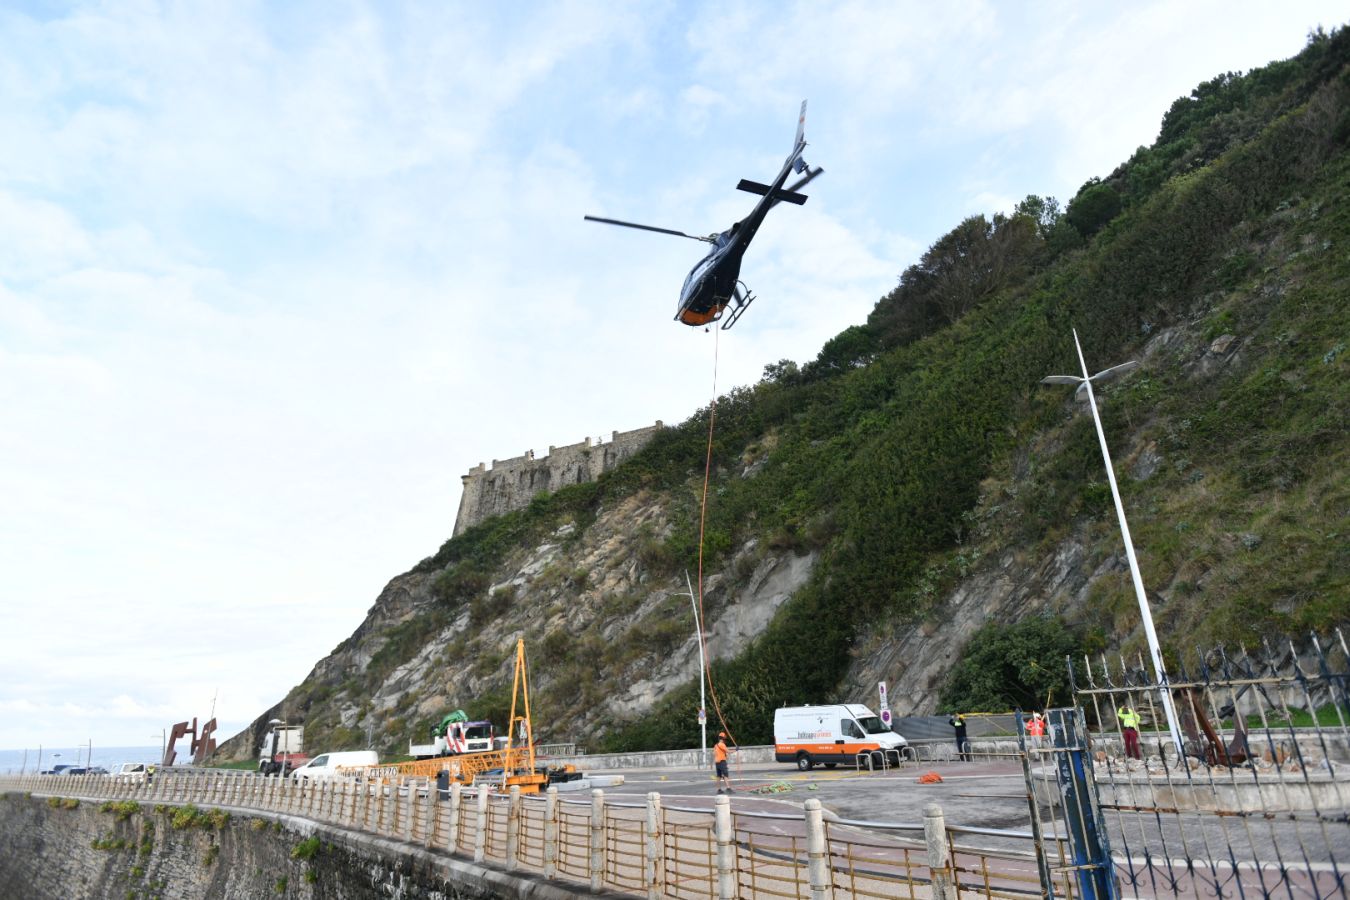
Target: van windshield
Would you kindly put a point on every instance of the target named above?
(873, 725)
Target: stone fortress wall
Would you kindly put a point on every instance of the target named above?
(511, 484)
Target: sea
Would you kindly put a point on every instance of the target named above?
(15, 762)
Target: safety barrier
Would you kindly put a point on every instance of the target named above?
(632, 845)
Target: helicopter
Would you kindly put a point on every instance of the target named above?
(714, 286)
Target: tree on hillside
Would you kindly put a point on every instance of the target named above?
(1096, 204)
(1013, 667)
(967, 265)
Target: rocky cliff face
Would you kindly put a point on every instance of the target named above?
(607, 633)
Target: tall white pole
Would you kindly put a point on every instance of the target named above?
(1159, 671)
(702, 674)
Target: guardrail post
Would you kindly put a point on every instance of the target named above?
(726, 849)
(409, 807)
(513, 828)
(597, 841)
(431, 814)
(817, 852)
(384, 822)
(654, 862)
(456, 802)
(551, 833)
(481, 826)
(939, 860)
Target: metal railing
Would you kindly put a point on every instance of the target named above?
(633, 845)
(1259, 805)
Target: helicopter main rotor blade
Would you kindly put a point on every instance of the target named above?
(648, 228)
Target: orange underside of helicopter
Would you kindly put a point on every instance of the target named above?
(690, 317)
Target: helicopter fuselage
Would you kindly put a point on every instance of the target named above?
(711, 285)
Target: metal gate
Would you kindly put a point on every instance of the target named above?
(1252, 799)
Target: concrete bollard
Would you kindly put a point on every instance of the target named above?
(551, 833)
(480, 833)
(726, 849)
(513, 829)
(653, 851)
(817, 852)
(597, 841)
(939, 860)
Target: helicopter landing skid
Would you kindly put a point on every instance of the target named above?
(743, 299)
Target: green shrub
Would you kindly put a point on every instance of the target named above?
(306, 849)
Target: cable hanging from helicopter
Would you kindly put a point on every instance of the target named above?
(713, 286)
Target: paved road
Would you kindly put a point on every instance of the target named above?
(1151, 851)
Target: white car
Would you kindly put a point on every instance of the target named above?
(130, 772)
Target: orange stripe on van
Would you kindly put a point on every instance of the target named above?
(824, 749)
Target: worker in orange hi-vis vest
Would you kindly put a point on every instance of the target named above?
(1035, 730)
(720, 762)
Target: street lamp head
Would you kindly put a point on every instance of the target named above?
(276, 721)
(1116, 371)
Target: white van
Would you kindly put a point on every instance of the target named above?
(833, 734)
(326, 765)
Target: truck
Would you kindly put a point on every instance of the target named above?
(283, 749)
(832, 734)
(453, 735)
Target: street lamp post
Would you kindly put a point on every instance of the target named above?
(1160, 672)
(702, 674)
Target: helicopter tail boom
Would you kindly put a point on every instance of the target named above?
(799, 143)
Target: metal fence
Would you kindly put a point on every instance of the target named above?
(1251, 798)
(633, 845)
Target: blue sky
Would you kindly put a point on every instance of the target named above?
(274, 276)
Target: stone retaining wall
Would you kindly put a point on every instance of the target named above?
(66, 849)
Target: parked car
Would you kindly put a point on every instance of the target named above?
(59, 769)
(130, 772)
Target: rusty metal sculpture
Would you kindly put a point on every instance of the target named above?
(202, 746)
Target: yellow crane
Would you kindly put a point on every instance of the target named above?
(516, 763)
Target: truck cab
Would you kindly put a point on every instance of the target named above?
(456, 738)
(283, 750)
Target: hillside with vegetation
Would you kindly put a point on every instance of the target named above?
(914, 488)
